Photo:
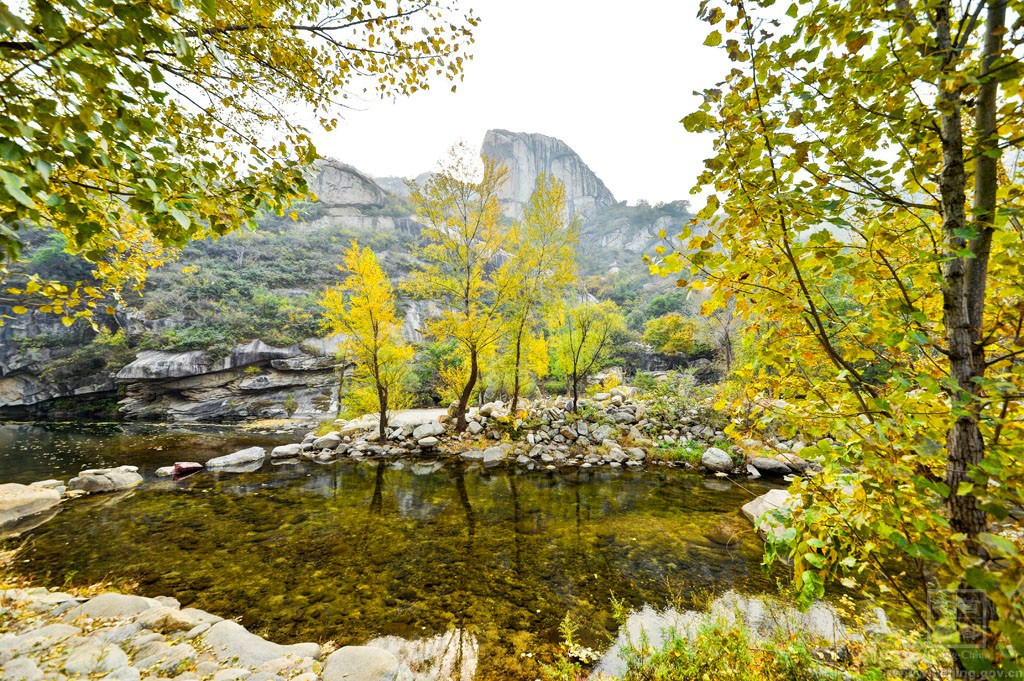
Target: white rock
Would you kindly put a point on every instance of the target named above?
(427, 442)
(21, 669)
(427, 430)
(360, 663)
(230, 639)
(241, 458)
(111, 605)
(755, 510)
(165, 471)
(95, 659)
(20, 501)
(286, 451)
(106, 479)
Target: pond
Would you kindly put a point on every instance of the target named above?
(432, 560)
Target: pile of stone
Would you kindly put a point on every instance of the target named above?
(616, 428)
(46, 635)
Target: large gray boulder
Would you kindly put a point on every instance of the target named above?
(427, 430)
(228, 639)
(243, 458)
(770, 467)
(360, 663)
(157, 364)
(717, 460)
(106, 479)
(286, 451)
(20, 501)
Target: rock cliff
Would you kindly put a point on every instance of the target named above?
(527, 155)
(343, 190)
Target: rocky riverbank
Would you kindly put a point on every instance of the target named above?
(55, 636)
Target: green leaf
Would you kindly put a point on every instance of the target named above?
(714, 39)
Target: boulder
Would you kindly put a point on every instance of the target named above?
(755, 510)
(427, 430)
(96, 658)
(715, 459)
(637, 454)
(20, 501)
(165, 471)
(166, 619)
(228, 640)
(474, 428)
(106, 479)
(770, 467)
(183, 468)
(109, 605)
(428, 442)
(241, 458)
(360, 663)
(286, 451)
(329, 441)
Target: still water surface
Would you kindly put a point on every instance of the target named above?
(464, 569)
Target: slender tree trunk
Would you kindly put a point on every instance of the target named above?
(382, 424)
(515, 372)
(963, 303)
(467, 392)
(575, 391)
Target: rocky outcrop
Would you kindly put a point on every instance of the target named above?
(343, 190)
(254, 380)
(527, 155)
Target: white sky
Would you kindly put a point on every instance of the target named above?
(612, 80)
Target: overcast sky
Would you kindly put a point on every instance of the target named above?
(612, 80)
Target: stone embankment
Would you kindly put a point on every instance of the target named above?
(55, 636)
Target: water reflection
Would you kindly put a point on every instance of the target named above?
(463, 571)
(451, 656)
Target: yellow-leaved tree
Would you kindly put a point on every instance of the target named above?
(585, 335)
(464, 240)
(362, 308)
(540, 266)
(864, 220)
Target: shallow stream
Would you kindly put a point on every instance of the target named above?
(476, 567)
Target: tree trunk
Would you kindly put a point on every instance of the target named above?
(467, 392)
(515, 372)
(575, 392)
(963, 302)
(382, 424)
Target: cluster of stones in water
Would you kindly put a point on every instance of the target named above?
(54, 636)
(614, 429)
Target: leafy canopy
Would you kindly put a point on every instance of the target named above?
(839, 227)
(130, 127)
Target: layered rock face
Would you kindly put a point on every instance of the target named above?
(255, 381)
(527, 155)
(343, 190)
